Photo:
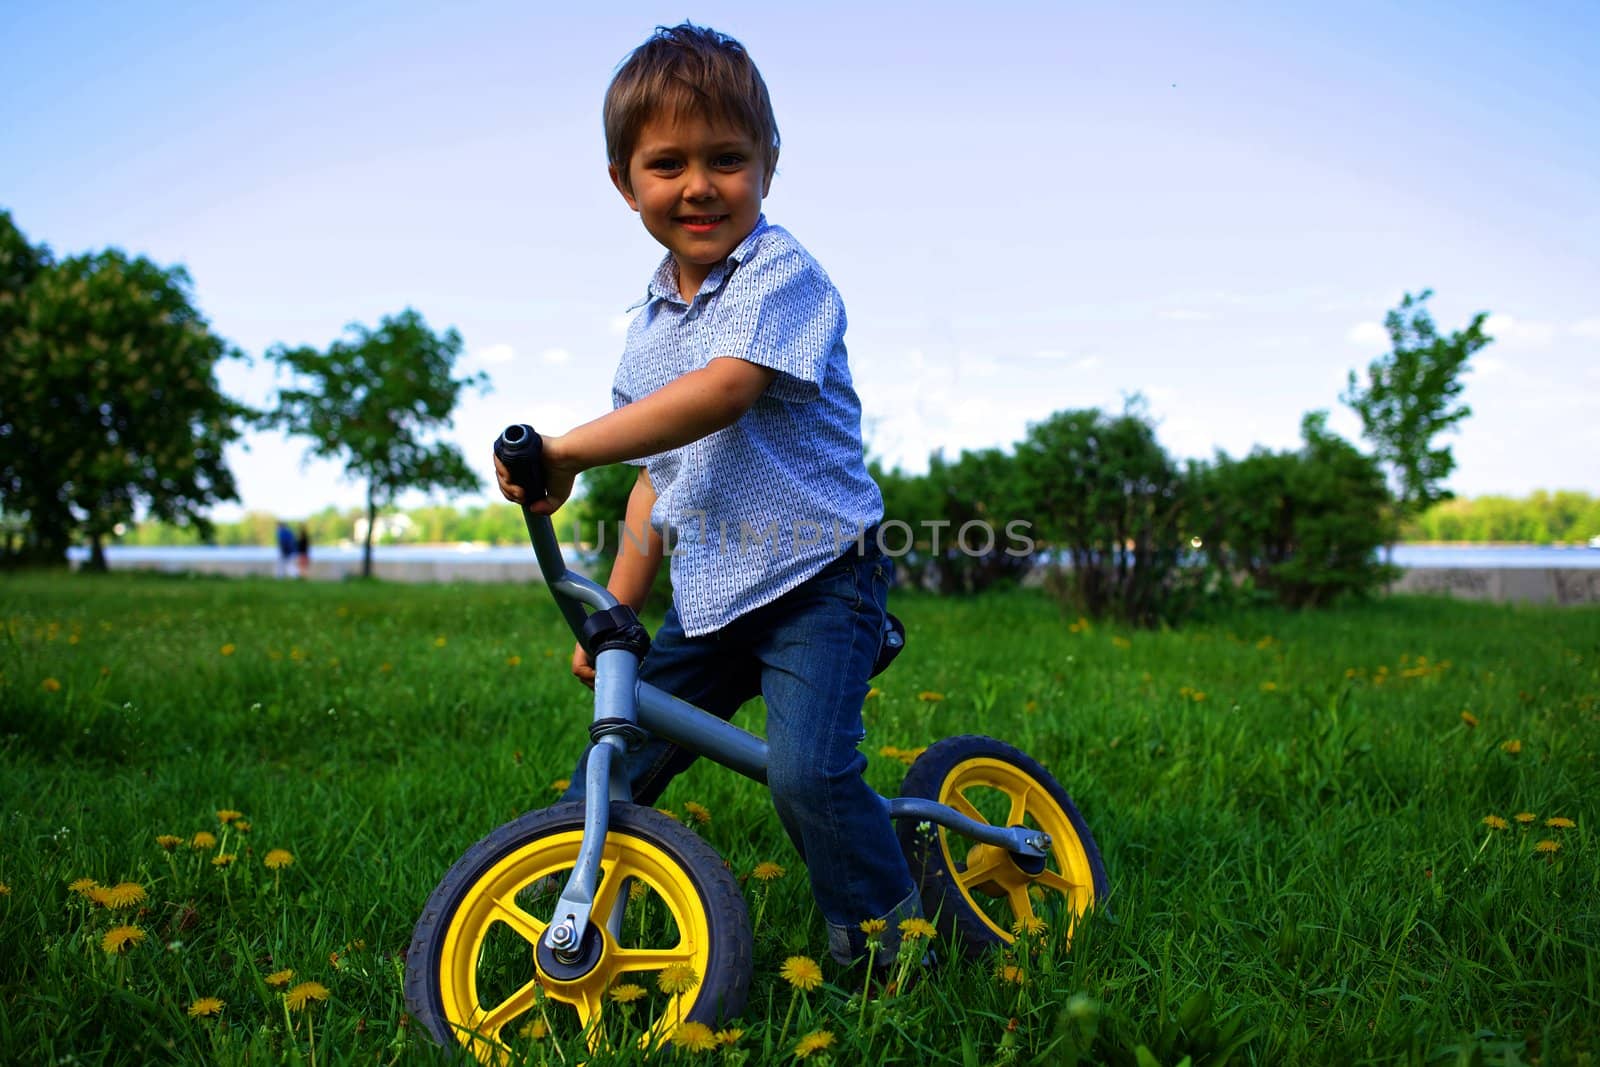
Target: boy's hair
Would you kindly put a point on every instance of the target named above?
(687, 70)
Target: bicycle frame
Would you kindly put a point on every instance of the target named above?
(620, 696)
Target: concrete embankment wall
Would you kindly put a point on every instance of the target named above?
(1536, 585)
(1531, 585)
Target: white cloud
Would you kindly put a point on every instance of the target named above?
(1508, 330)
(1589, 329)
(1487, 366)
(1089, 363)
(1187, 315)
(1367, 333)
(495, 354)
(1050, 354)
(554, 357)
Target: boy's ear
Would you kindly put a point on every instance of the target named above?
(772, 168)
(622, 187)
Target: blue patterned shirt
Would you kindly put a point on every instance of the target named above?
(753, 510)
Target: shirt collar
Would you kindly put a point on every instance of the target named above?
(664, 283)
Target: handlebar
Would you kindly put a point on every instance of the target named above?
(522, 452)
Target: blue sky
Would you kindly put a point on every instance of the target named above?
(1036, 208)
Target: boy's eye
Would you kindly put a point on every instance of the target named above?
(666, 164)
(728, 160)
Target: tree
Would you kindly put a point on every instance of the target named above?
(1304, 526)
(109, 403)
(1107, 497)
(372, 400)
(1408, 398)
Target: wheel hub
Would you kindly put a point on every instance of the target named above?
(581, 963)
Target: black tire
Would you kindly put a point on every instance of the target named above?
(479, 929)
(977, 894)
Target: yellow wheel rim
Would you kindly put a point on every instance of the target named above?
(492, 901)
(979, 788)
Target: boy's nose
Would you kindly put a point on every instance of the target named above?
(697, 185)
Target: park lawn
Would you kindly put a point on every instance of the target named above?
(1294, 809)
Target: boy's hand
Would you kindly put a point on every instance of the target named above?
(582, 670)
(558, 481)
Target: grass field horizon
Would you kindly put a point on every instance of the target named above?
(1358, 835)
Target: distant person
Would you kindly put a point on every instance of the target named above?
(302, 550)
(286, 548)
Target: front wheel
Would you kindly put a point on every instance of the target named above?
(979, 893)
(670, 941)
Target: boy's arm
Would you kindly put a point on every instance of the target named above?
(635, 569)
(686, 409)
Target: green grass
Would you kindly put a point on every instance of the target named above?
(1290, 808)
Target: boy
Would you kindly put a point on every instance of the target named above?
(734, 398)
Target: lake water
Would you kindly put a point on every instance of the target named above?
(1408, 556)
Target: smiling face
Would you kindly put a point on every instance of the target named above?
(697, 186)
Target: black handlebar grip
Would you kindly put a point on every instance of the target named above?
(522, 451)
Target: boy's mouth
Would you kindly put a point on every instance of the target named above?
(700, 223)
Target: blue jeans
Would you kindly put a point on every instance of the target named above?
(808, 654)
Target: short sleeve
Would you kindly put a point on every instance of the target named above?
(781, 312)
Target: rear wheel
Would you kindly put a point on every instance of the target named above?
(979, 893)
(476, 976)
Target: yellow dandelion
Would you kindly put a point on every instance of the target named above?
(1495, 822)
(277, 859)
(50, 685)
(1269, 687)
(280, 978)
(1560, 822)
(873, 926)
(637, 890)
(1511, 747)
(694, 1037)
(537, 1030)
(909, 756)
(698, 812)
(304, 994)
(1122, 643)
(513, 661)
(228, 815)
(874, 692)
(242, 826)
(815, 1041)
(1012, 974)
(206, 1006)
(227, 650)
(729, 1037)
(124, 895)
(5, 890)
(677, 978)
(439, 642)
(669, 813)
(560, 785)
(767, 872)
(1031, 925)
(626, 993)
(1547, 846)
(120, 939)
(928, 696)
(83, 886)
(101, 895)
(911, 929)
(1468, 719)
(385, 668)
(1031, 706)
(1525, 817)
(203, 839)
(801, 972)
(889, 751)
(169, 841)
(223, 859)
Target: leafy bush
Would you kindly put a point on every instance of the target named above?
(1304, 526)
(1109, 499)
